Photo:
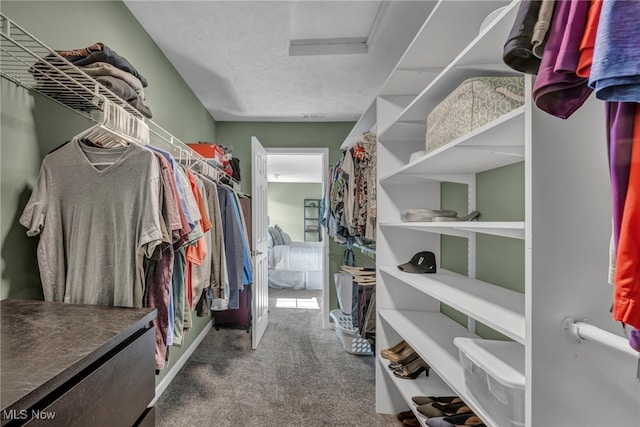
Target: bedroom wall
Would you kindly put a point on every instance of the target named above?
(32, 125)
(285, 204)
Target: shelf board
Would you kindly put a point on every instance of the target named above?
(481, 57)
(511, 229)
(416, 68)
(364, 124)
(421, 386)
(431, 336)
(499, 308)
(495, 144)
(409, 81)
(404, 131)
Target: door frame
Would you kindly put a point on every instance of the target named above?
(324, 151)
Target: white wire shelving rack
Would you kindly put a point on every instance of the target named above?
(30, 63)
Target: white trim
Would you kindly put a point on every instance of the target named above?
(173, 371)
(324, 151)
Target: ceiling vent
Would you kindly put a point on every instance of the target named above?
(341, 46)
(314, 115)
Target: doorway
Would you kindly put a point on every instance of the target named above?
(298, 248)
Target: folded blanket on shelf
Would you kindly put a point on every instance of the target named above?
(124, 91)
(105, 69)
(99, 52)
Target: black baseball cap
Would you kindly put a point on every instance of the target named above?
(422, 262)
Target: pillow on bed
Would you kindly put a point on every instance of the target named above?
(283, 235)
(276, 233)
(269, 239)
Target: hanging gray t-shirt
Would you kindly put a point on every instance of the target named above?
(96, 223)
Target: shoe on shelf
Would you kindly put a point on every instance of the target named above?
(470, 217)
(438, 422)
(410, 358)
(469, 419)
(435, 409)
(412, 370)
(421, 400)
(406, 415)
(403, 355)
(472, 421)
(411, 422)
(394, 350)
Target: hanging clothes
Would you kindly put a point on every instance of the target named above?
(558, 90)
(626, 307)
(350, 195)
(64, 209)
(233, 245)
(615, 72)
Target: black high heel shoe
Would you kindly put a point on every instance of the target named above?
(412, 370)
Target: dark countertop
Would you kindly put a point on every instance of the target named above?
(44, 344)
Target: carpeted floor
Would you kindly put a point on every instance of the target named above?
(299, 376)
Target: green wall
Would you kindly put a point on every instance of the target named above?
(290, 135)
(499, 260)
(285, 205)
(32, 125)
(280, 135)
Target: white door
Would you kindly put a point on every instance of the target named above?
(260, 307)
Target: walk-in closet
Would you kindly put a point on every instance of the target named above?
(311, 213)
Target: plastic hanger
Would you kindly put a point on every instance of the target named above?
(115, 128)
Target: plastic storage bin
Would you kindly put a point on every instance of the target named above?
(494, 377)
(209, 151)
(352, 342)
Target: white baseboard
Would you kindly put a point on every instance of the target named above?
(173, 371)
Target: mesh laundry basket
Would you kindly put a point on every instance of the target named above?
(348, 335)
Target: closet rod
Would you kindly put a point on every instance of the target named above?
(584, 331)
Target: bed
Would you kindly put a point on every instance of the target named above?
(296, 265)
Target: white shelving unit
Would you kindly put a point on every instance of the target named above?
(513, 229)
(364, 124)
(563, 236)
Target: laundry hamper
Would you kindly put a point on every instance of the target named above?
(475, 102)
(351, 341)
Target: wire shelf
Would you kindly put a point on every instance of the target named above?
(30, 63)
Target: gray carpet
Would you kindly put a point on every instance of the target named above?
(299, 376)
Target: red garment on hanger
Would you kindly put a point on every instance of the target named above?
(626, 303)
(589, 39)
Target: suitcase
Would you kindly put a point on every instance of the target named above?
(238, 319)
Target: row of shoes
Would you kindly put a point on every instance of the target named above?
(404, 361)
(441, 411)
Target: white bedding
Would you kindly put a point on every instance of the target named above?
(297, 256)
(296, 266)
(309, 280)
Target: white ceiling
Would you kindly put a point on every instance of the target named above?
(235, 54)
(299, 168)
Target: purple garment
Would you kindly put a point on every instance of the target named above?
(615, 72)
(569, 54)
(634, 339)
(620, 119)
(558, 90)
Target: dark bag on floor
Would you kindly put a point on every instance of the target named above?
(240, 318)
